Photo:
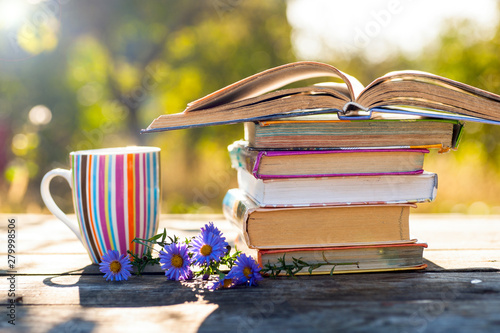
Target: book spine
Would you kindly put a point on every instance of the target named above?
(232, 207)
(242, 158)
(256, 166)
(236, 156)
(236, 209)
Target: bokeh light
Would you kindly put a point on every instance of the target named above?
(75, 76)
(20, 143)
(40, 115)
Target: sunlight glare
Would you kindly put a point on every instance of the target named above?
(379, 28)
(12, 12)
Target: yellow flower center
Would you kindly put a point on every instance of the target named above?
(177, 261)
(206, 250)
(247, 271)
(227, 283)
(115, 266)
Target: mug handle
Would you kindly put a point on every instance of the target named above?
(50, 203)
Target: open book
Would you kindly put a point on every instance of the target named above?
(260, 97)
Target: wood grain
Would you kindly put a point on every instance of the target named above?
(59, 291)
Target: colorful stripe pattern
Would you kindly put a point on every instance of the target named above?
(116, 199)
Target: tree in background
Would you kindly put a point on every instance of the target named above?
(116, 65)
(90, 74)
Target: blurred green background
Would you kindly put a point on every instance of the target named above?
(90, 74)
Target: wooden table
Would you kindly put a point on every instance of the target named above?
(57, 290)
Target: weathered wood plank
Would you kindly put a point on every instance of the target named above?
(462, 259)
(79, 263)
(412, 302)
(458, 293)
(341, 316)
(186, 318)
(46, 246)
(311, 291)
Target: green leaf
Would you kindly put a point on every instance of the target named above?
(302, 262)
(315, 266)
(155, 237)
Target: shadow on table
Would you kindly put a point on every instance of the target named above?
(151, 289)
(75, 324)
(432, 266)
(305, 303)
(385, 301)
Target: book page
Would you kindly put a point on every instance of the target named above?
(272, 79)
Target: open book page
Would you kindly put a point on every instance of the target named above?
(258, 97)
(301, 104)
(434, 79)
(335, 98)
(272, 79)
(425, 90)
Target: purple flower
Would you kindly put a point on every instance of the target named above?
(115, 267)
(208, 246)
(175, 261)
(225, 282)
(245, 271)
(210, 227)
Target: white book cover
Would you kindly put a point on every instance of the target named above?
(283, 192)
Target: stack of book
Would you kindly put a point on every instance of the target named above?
(334, 191)
(339, 187)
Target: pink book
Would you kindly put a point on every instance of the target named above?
(268, 164)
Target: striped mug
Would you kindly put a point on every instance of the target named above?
(116, 196)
